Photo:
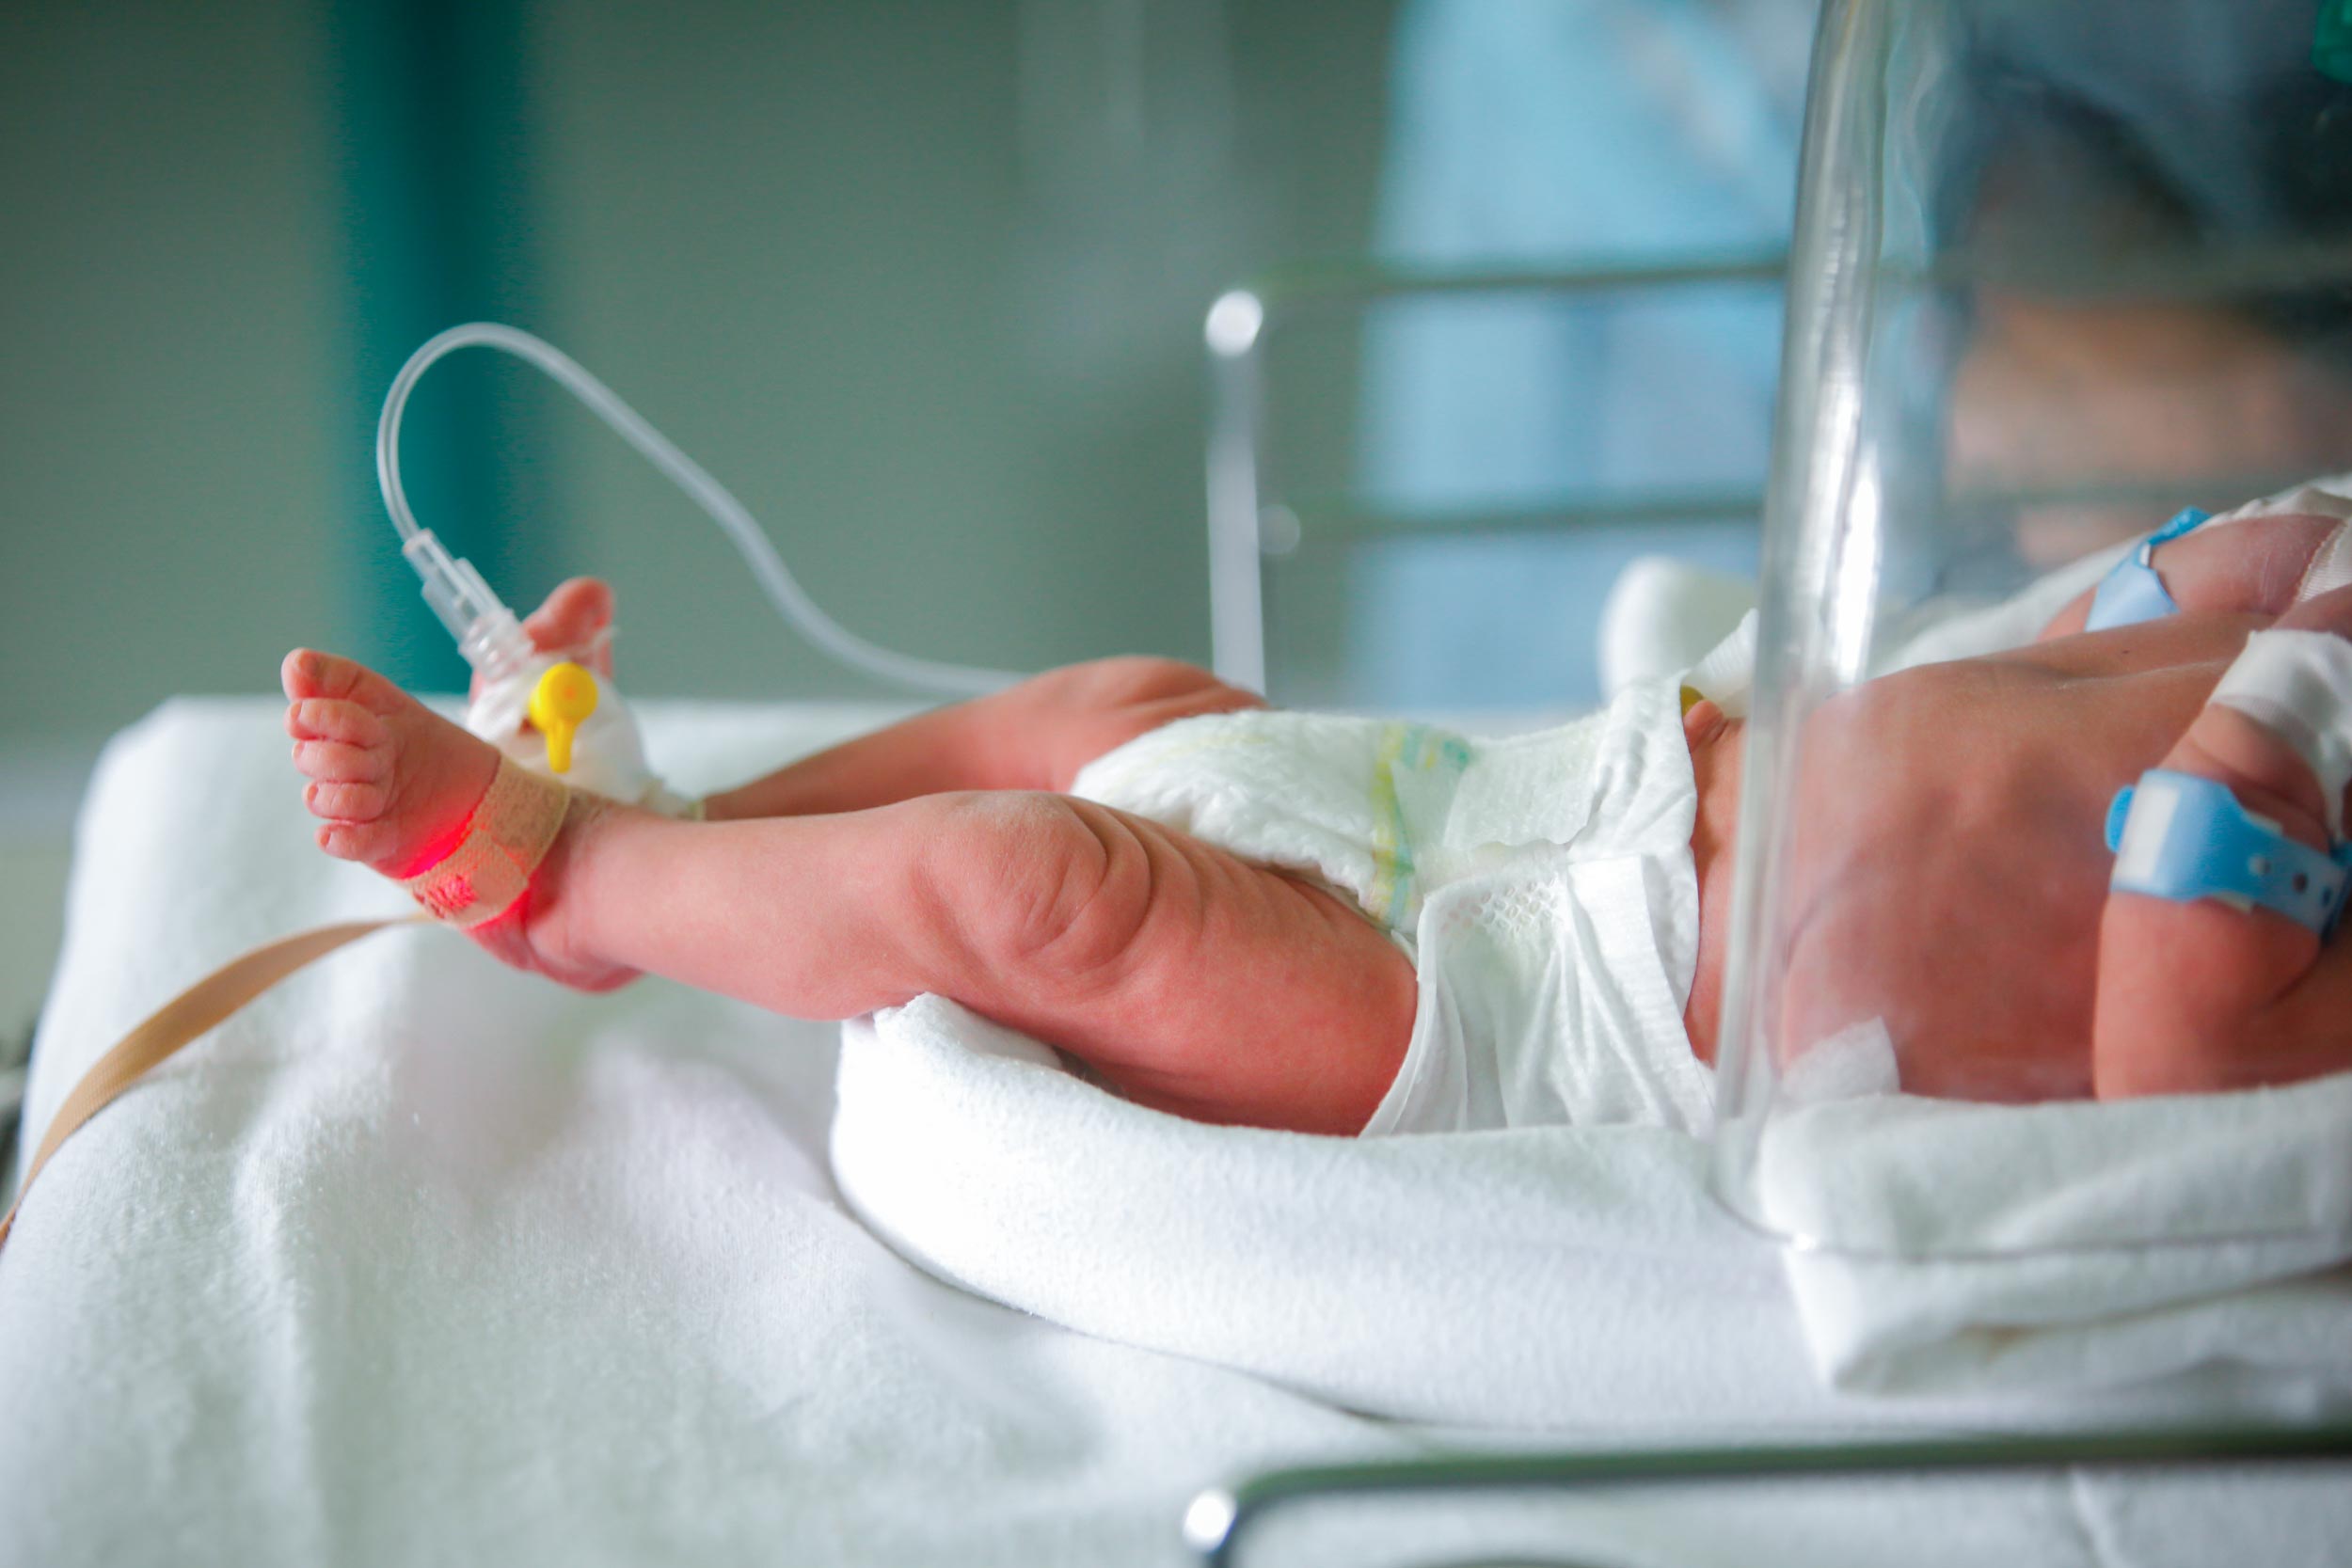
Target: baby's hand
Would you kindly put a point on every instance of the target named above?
(1948, 869)
(2196, 996)
(1949, 873)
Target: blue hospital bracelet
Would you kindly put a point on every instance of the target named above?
(2132, 592)
(2179, 837)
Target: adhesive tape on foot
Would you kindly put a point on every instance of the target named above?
(505, 839)
(2299, 685)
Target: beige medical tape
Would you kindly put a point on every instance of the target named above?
(193, 1013)
(507, 836)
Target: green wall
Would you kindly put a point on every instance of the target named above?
(169, 320)
(922, 282)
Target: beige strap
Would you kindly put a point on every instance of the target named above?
(509, 833)
(193, 1013)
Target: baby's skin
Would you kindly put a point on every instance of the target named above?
(939, 855)
(1962, 894)
(1950, 874)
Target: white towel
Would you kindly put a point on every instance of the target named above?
(2020, 1224)
(1566, 1275)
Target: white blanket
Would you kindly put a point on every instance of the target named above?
(1537, 1276)
(422, 1260)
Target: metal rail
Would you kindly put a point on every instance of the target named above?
(1219, 1520)
(1242, 320)
(1236, 330)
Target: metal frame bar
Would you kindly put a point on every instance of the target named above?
(1236, 330)
(1241, 321)
(1219, 1519)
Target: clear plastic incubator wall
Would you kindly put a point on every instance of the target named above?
(2060, 271)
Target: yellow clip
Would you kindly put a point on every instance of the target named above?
(561, 701)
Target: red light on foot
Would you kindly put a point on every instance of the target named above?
(437, 850)
(448, 899)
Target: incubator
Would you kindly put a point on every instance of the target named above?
(2065, 280)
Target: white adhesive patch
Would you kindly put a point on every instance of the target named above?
(608, 751)
(2299, 685)
(2330, 567)
(2153, 803)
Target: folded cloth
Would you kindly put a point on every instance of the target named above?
(1564, 1275)
(1547, 1276)
(2071, 1244)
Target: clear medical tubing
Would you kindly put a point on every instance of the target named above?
(465, 605)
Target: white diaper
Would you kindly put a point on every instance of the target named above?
(1542, 884)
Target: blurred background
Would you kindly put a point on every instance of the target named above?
(923, 282)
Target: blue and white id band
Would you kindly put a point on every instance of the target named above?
(2178, 836)
(2132, 592)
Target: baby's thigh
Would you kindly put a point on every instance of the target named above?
(1254, 997)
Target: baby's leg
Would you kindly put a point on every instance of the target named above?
(2196, 996)
(1185, 977)
(1036, 735)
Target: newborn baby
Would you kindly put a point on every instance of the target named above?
(1343, 926)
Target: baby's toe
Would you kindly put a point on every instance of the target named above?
(308, 675)
(330, 719)
(363, 842)
(346, 803)
(334, 762)
(575, 621)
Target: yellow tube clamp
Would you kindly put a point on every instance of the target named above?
(559, 703)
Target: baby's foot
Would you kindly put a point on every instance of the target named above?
(2198, 996)
(394, 786)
